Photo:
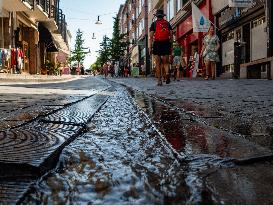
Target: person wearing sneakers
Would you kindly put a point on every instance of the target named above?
(160, 45)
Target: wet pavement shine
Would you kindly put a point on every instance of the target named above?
(125, 146)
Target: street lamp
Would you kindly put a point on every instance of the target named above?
(93, 37)
(98, 22)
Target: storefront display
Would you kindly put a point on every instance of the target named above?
(189, 40)
(11, 60)
(242, 31)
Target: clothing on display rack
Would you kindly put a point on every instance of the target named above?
(20, 57)
(12, 59)
(4, 57)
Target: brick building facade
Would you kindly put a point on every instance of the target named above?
(258, 45)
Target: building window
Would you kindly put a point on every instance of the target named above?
(184, 2)
(139, 8)
(149, 5)
(178, 5)
(170, 9)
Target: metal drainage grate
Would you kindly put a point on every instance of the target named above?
(78, 113)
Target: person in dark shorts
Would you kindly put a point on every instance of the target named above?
(160, 45)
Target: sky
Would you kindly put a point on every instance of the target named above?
(82, 14)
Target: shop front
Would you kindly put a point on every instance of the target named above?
(190, 41)
(243, 40)
(19, 40)
(26, 45)
(4, 42)
(134, 56)
(48, 50)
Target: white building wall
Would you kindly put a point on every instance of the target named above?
(228, 52)
(259, 42)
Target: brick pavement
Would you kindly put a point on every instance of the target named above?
(240, 106)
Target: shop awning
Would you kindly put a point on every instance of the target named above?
(46, 37)
(60, 42)
(54, 40)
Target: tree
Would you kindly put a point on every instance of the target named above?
(105, 50)
(118, 41)
(79, 53)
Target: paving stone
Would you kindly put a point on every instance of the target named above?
(203, 139)
(243, 185)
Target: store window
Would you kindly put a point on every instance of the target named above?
(170, 9)
(258, 22)
(228, 36)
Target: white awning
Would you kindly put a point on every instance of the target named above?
(60, 43)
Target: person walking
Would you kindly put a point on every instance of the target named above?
(160, 44)
(105, 70)
(209, 52)
(177, 61)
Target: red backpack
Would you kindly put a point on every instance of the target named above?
(162, 30)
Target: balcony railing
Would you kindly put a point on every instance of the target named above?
(30, 2)
(44, 4)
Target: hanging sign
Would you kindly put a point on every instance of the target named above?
(200, 22)
(240, 3)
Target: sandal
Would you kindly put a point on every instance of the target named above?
(168, 79)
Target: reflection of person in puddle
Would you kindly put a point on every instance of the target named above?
(198, 136)
(172, 128)
(222, 147)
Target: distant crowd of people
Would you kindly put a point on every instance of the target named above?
(169, 58)
(114, 70)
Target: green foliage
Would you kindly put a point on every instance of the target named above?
(119, 44)
(79, 53)
(112, 49)
(52, 69)
(105, 50)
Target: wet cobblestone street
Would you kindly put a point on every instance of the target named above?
(118, 145)
(120, 160)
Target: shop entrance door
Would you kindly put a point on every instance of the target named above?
(246, 40)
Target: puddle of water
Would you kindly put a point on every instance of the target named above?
(191, 137)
